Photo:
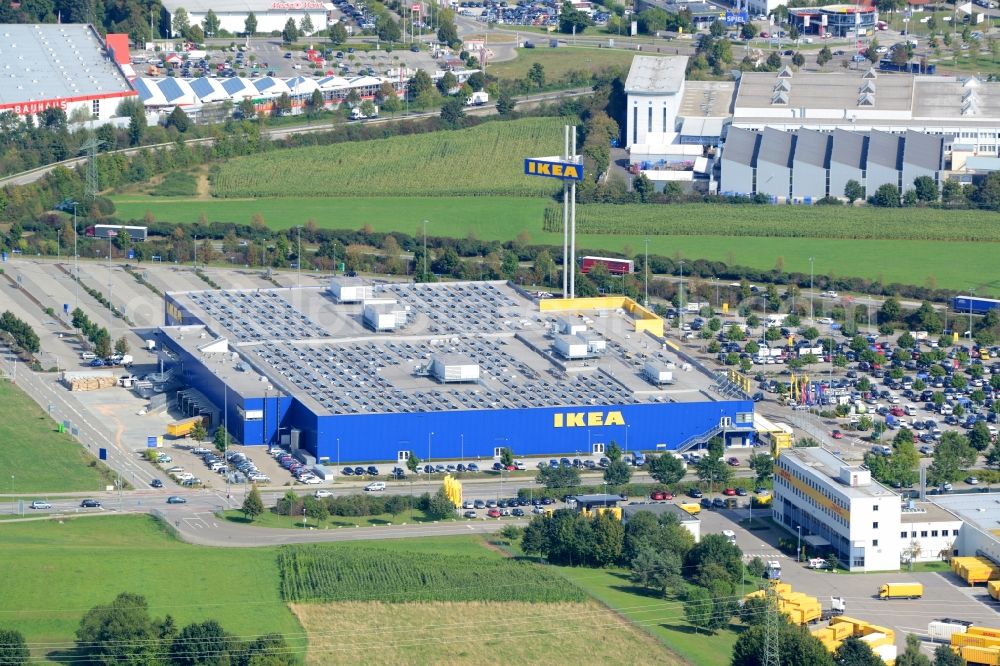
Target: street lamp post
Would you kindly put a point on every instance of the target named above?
(645, 265)
(811, 260)
(425, 250)
(76, 259)
(972, 293)
(798, 547)
(110, 287)
(58, 244)
(298, 255)
(429, 435)
(338, 452)
(462, 436)
(196, 251)
(680, 303)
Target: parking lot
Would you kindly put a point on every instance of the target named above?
(945, 595)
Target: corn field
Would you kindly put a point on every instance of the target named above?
(913, 224)
(316, 573)
(480, 161)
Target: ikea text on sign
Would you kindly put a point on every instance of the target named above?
(553, 169)
(586, 419)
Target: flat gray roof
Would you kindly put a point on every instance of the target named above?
(826, 466)
(926, 512)
(44, 61)
(978, 509)
(839, 92)
(658, 508)
(653, 75)
(310, 346)
(707, 99)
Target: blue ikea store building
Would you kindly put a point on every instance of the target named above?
(263, 409)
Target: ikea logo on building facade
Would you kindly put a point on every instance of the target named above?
(586, 419)
(551, 168)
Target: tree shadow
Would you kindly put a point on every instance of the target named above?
(638, 591)
(68, 656)
(241, 520)
(684, 629)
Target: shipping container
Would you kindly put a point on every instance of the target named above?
(184, 427)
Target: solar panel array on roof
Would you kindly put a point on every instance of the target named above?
(348, 378)
(257, 315)
(458, 308)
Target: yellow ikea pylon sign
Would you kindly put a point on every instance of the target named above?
(534, 166)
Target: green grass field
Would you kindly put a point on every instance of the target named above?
(56, 571)
(557, 62)
(447, 215)
(503, 218)
(479, 161)
(371, 572)
(270, 519)
(34, 457)
(663, 618)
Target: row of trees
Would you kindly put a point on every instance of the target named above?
(23, 335)
(124, 632)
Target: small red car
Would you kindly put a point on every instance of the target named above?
(729, 492)
(733, 462)
(657, 495)
(493, 513)
(836, 434)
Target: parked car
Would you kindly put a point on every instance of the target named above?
(695, 493)
(729, 492)
(517, 512)
(469, 514)
(348, 471)
(156, 483)
(493, 513)
(733, 461)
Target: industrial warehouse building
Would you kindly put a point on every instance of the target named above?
(837, 507)
(63, 66)
(271, 15)
(672, 123)
(455, 370)
(806, 165)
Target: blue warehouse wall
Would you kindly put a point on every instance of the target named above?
(470, 434)
(537, 431)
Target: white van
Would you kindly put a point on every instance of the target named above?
(375, 486)
(730, 535)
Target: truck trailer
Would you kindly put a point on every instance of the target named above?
(974, 305)
(901, 591)
(614, 266)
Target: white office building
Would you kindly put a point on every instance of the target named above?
(834, 505)
(654, 87)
